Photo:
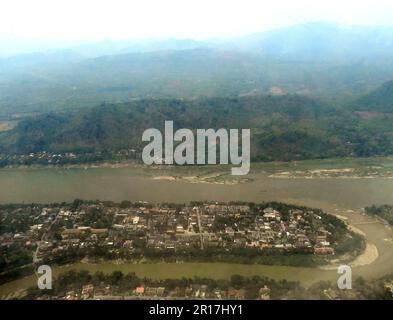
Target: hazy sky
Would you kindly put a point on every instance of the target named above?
(119, 19)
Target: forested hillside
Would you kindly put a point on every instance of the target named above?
(379, 100)
(284, 127)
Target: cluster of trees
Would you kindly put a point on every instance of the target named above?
(296, 258)
(380, 100)
(14, 256)
(96, 218)
(17, 218)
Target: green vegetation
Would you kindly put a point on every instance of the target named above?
(380, 100)
(289, 127)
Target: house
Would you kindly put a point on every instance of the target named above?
(83, 228)
(87, 291)
(139, 291)
(155, 291)
(160, 291)
(71, 233)
(236, 294)
(323, 250)
(389, 286)
(179, 229)
(264, 293)
(99, 231)
(71, 295)
(269, 214)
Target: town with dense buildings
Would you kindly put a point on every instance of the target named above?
(126, 229)
(32, 235)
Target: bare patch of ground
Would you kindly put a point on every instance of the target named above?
(5, 126)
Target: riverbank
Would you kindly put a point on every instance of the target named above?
(372, 167)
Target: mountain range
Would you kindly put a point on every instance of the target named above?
(333, 63)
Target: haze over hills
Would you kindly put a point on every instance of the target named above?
(320, 60)
(321, 42)
(310, 41)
